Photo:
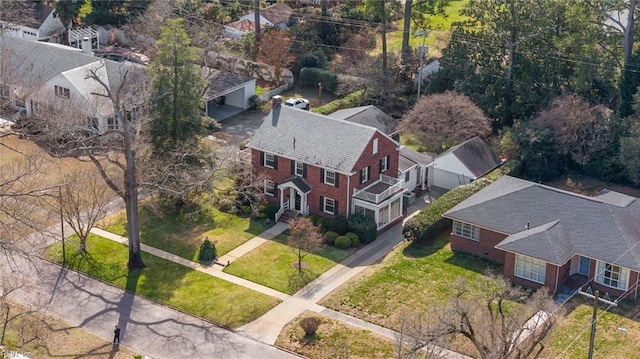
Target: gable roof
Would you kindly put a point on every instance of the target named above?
(277, 13)
(35, 13)
(38, 62)
(370, 116)
(312, 138)
(410, 157)
(476, 155)
(244, 25)
(561, 223)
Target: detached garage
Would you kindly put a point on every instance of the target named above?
(228, 94)
(462, 164)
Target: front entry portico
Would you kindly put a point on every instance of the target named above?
(294, 196)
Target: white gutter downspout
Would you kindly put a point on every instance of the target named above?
(348, 196)
(557, 272)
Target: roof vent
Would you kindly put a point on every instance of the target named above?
(527, 226)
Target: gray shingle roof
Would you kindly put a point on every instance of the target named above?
(278, 13)
(220, 82)
(312, 138)
(369, 116)
(476, 155)
(560, 222)
(39, 61)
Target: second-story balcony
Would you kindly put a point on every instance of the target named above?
(380, 190)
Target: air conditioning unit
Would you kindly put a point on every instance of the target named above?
(409, 198)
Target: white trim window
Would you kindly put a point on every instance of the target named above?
(384, 164)
(330, 177)
(612, 275)
(112, 123)
(329, 205)
(299, 169)
(466, 230)
(269, 160)
(62, 92)
(269, 188)
(375, 146)
(364, 175)
(531, 269)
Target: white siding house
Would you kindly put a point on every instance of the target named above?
(43, 23)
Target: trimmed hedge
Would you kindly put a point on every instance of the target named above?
(343, 242)
(364, 227)
(353, 99)
(429, 222)
(355, 242)
(311, 76)
(338, 224)
(329, 237)
(352, 235)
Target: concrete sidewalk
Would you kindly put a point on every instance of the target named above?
(253, 243)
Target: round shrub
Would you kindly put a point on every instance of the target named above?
(355, 242)
(337, 224)
(226, 205)
(271, 210)
(207, 251)
(343, 242)
(364, 227)
(352, 235)
(330, 237)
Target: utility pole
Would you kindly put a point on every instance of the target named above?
(593, 323)
(422, 52)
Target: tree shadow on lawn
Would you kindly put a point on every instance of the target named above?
(427, 248)
(326, 251)
(474, 263)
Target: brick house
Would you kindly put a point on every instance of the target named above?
(314, 164)
(549, 237)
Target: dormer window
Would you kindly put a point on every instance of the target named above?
(63, 92)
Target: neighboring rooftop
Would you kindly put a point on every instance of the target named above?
(244, 25)
(410, 157)
(476, 155)
(313, 138)
(370, 116)
(278, 13)
(553, 225)
(220, 82)
(35, 13)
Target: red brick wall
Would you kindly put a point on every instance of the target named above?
(484, 248)
(345, 187)
(550, 274)
(633, 278)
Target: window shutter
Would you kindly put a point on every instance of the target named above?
(275, 189)
(293, 167)
(337, 177)
(321, 204)
(275, 162)
(380, 165)
(368, 172)
(362, 176)
(304, 170)
(321, 175)
(261, 158)
(335, 207)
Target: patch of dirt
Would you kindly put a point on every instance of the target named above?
(589, 186)
(303, 265)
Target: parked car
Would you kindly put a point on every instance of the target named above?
(298, 102)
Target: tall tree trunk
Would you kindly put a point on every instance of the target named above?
(406, 32)
(628, 32)
(174, 115)
(383, 33)
(131, 204)
(256, 20)
(323, 4)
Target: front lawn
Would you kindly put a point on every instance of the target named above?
(191, 291)
(334, 339)
(271, 265)
(414, 277)
(570, 337)
(182, 235)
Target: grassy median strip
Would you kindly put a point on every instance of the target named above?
(271, 265)
(197, 293)
(183, 234)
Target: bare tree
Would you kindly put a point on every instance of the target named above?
(275, 50)
(9, 311)
(84, 200)
(442, 120)
(500, 320)
(304, 238)
(418, 336)
(581, 129)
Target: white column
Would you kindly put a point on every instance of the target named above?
(281, 197)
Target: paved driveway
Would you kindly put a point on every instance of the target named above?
(243, 125)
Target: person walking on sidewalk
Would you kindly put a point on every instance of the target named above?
(116, 335)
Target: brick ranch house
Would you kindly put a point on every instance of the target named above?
(314, 164)
(549, 237)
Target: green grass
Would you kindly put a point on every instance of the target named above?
(191, 291)
(271, 265)
(570, 338)
(182, 236)
(415, 277)
(439, 27)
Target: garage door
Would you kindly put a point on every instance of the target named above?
(448, 180)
